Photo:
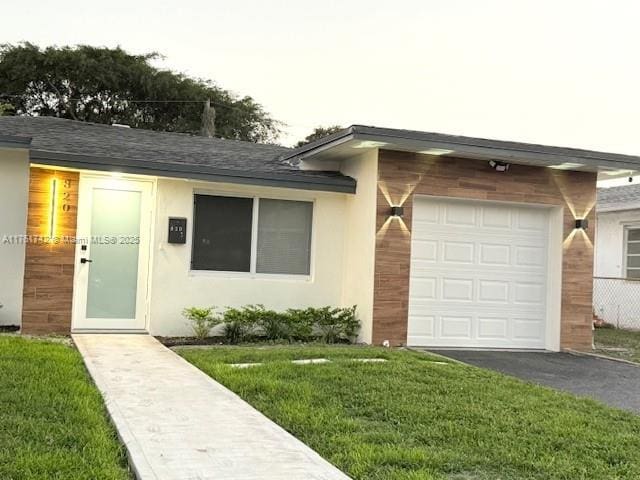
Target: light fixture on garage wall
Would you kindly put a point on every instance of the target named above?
(582, 223)
(499, 166)
(397, 211)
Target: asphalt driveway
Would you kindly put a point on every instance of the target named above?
(615, 383)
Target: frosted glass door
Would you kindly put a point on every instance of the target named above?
(114, 251)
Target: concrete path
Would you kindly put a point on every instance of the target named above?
(615, 383)
(178, 423)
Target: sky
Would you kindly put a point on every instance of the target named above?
(557, 72)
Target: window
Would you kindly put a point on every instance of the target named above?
(632, 252)
(224, 237)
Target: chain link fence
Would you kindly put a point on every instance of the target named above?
(617, 301)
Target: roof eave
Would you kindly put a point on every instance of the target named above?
(193, 172)
(14, 141)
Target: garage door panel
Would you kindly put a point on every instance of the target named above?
(458, 252)
(456, 326)
(493, 328)
(483, 286)
(494, 291)
(458, 289)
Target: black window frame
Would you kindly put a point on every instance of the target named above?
(253, 237)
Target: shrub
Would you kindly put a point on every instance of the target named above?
(329, 324)
(240, 323)
(202, 320)
(300, 324)
(336, 324)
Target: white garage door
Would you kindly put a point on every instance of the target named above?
(478, 274)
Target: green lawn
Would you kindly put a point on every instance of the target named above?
(618, 343)
(53, 423)
(411, 418)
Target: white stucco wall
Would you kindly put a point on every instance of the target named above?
(174, 286)
(360, 239)
(609, 248)
(615, 301)
(14, 188)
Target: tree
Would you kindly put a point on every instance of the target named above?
(106, 85)
(6, 109)
(319, 132)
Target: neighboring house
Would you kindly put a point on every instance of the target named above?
(436, 238)
(617, 256)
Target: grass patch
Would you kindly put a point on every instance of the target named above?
(618, 343)
(410, 418)
(53, 423)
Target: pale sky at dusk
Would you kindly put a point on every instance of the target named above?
(556, 72)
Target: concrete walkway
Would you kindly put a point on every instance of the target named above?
(178, 423)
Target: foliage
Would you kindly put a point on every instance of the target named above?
(318, 133)
(336, 324)
(103, 85)
(239, 323)
(202, 320)
(413, 417)
(6, 109)
(53, 423)
(329, 324)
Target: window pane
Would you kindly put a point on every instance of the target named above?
(113, 273)
(633, 234)
(633, 248)
(284, 237)
(633, 262)
(222, 233)
(633, 273)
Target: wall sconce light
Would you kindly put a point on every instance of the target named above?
(53, 206)
(397, 211)
(582, 223)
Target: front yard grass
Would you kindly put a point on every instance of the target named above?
(412, 418)
(618, 343)
(53, 423)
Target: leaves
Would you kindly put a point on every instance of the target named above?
(318, 133)
(103, 85)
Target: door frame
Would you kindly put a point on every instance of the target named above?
(116, 181)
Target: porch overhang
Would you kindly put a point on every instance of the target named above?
(356, 138)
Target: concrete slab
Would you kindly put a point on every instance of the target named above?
(615, 383)
(179, 424)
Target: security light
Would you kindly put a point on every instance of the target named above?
(499, 166)
(582, 223)
(397, 211)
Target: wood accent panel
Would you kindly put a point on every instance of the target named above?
(401, 175)
(49, 266)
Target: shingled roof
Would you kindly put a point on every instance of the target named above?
(95, 146)
(612, 199)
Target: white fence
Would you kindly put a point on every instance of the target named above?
(617, 301)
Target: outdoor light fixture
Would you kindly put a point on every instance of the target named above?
(397, 211)
(499, 166)
(52, 213)
(582, 223)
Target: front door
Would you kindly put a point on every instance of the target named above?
(112, 254)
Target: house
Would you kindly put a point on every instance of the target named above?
(617, 256)
(439, 240)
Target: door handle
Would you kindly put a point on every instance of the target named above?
(85, 260)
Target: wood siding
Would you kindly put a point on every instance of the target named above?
(402, 175)
(49, 266)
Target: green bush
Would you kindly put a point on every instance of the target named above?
(327, 324)
(202, 320)
(335, 324)
(239, 323)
